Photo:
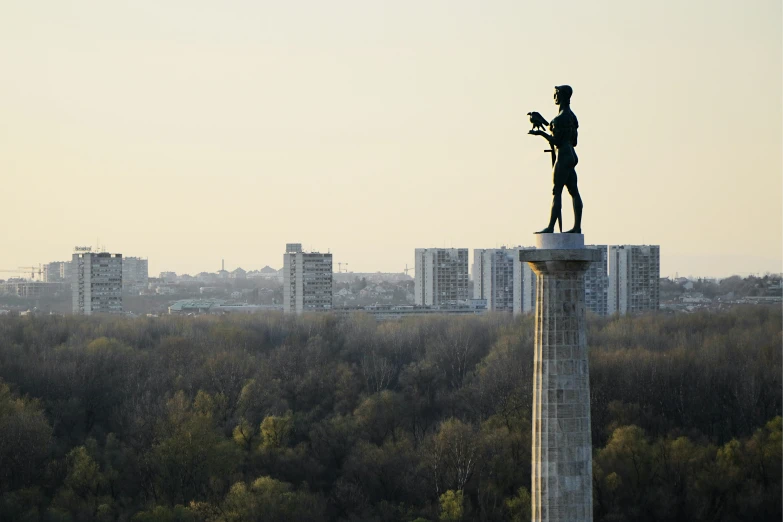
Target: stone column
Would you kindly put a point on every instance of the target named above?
(562, 462)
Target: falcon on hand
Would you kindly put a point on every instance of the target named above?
(537, 120)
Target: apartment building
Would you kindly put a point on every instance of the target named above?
(96, 283)
(441, 276)
(506, 283)
(634, 278)
(135, 273)
(524, 285)
(57, 272)
(307, 280)
(597, 283)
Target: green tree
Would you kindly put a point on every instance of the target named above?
(244, 434)
(193, 458)
(275, 431)
(451, 509)
(83, 493)
(519, 507)
(264, 499)
(25, 436)
(166, 514)
(623, 473)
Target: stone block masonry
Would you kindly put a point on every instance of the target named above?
(562, 466)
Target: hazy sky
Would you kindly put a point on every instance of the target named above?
(190, 131)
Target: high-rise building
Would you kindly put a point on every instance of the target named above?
(477, 273)
(597, 284)
(307, 280)
(524, 285)
(57, 272)
(96, 283)
(441, 276)
(135, 273)
(499, 277)
(634, 278)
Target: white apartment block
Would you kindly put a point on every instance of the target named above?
(96, 283)
(441, 276)
(135, 273)
(597, 284)
(506, 283)
(307, 280)
(634, 278)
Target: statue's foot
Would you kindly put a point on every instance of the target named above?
(547, 230)
(574, 231)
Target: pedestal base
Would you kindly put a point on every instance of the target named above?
(559, 241)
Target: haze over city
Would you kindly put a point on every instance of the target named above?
(188, 132)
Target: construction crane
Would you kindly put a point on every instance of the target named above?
(408, 269)
(32, 271)
(16, 271)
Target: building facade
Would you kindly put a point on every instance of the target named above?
(57, 272)
(495, 277)
(634, 278)
(597, 284)
(441, 276)
(524, 285)
(307, 280)
(96, 283)
(31, 289)
(135, 273)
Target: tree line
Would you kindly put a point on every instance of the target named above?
(325, 418)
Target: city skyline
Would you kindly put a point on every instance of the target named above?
(221, 132)
(39, 272)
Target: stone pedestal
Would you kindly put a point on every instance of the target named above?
(562, 463)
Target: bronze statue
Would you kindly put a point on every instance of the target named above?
(562, 142)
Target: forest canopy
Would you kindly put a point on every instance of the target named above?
(325, 418)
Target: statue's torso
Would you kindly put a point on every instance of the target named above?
(564, 131)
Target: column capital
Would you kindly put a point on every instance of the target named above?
(560, 261)
(571, 254)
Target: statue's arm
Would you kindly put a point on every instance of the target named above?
(543, 134)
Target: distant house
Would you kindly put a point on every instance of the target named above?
(216, 306)
(206, 277)
(198, 306)
(165, 289)
(266, 273)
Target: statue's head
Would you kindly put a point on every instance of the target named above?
(563, 94)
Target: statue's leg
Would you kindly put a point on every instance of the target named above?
(577, 200)
(555, 211)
